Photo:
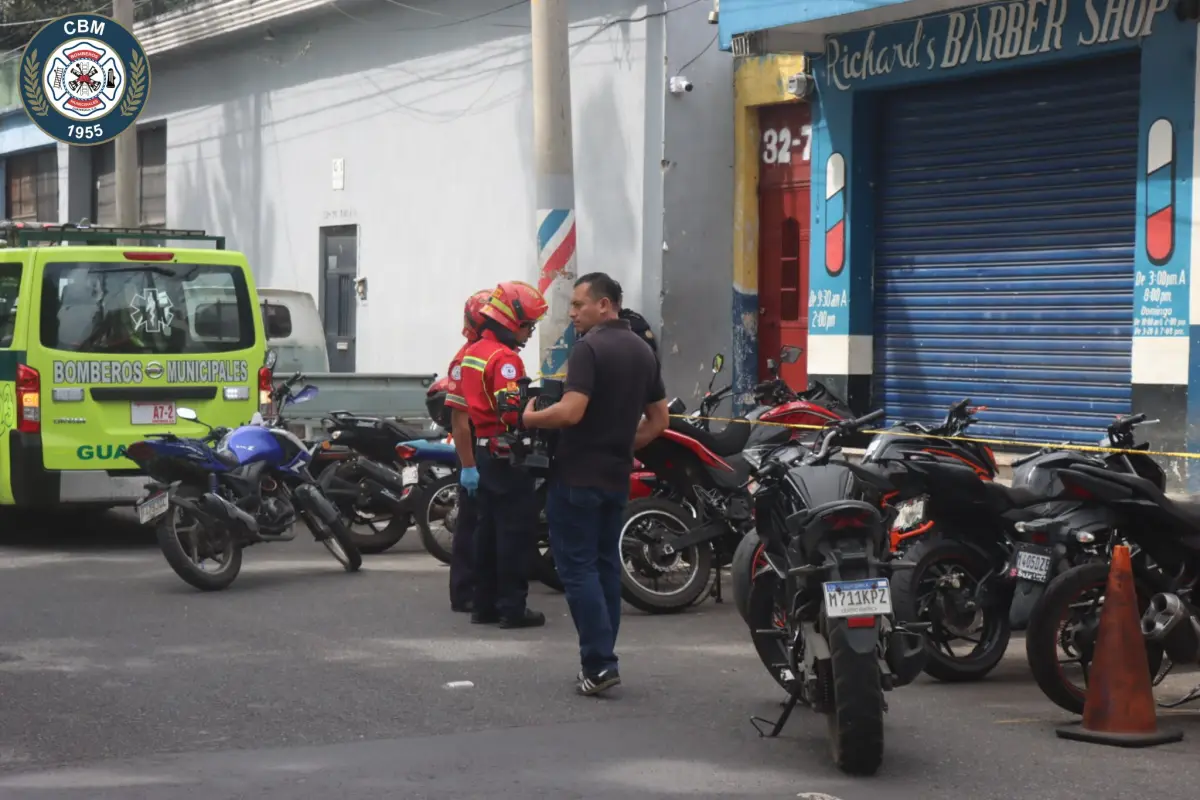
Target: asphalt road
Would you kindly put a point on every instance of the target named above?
(117, 680)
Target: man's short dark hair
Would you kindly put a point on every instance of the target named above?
(600, 286)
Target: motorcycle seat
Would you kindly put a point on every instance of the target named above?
(1012, 497)
(731, 480)
(409, 432)
(727, 442)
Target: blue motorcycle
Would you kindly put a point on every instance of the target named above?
(211, 497)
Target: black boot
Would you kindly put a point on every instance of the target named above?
(530, 619)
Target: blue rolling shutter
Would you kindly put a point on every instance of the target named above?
(1004, 249)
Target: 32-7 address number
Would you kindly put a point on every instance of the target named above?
(85, 132)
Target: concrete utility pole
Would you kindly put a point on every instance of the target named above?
(555, 178)
(126, 144)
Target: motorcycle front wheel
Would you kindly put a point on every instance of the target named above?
(188, 546)
(1066, 620)
(943, 589)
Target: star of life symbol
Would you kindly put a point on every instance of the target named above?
(152, 311)
(84, 79)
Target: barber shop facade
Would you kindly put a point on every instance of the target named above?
(1001, 208)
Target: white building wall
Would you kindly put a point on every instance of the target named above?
(435, 129)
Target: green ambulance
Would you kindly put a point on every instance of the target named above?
(101, 340)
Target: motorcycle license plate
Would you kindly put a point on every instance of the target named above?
(153, 507)
(409, 475)
(1033, 563)
(858, 598)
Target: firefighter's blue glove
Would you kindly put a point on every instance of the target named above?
(468, 478)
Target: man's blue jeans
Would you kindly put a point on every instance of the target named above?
(585, 539)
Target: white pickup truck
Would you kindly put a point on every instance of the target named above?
(294, 331)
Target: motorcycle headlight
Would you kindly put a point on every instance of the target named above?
(909, 514)
(1083, 537)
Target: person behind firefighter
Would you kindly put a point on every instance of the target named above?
(462, 572)
(505, 504)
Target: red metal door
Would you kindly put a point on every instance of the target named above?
(784, 206)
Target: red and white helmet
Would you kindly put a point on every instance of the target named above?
(473, 314)
(515, 304)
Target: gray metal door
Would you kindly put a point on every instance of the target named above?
(339, 267)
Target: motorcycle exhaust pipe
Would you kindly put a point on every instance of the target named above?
(1170, 623)
(372, 492)
(222, 510)
(385, 475)
(905, 656)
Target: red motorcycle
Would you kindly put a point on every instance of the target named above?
(670, 540)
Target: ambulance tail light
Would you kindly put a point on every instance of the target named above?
(265, 406)
(152, 255)
(29, 400)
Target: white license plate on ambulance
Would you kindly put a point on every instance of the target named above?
(152, 413)
(867, 598)
(409, 475)
(153, 507)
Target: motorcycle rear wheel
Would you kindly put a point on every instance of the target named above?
(379, 535)
(677, 519)
(856, 723)
(442, 494)
(168, 534)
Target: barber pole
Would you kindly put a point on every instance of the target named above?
(556, 275)
(1160, 192)
(835, 214)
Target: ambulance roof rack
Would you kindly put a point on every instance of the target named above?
(21, 234)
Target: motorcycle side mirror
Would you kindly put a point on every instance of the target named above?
(772, 365)
(187, 413)
(718, 363)
(790, 354)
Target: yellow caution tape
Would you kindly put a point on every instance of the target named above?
(1085, 448)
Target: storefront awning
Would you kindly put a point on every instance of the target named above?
(788, 26)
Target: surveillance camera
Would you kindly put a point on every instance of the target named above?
(800, 85)
(679, 85)
(714, 17)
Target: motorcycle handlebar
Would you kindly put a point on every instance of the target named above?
(1129, 421)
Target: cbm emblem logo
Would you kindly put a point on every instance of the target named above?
(84, 79)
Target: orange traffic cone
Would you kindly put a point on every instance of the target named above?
(1119, 709)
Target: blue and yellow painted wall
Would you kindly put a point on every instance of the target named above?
(757, 82)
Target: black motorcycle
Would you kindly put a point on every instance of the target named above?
(361, 471)
(824, 626)
(1072, 532)
(961, 583)
(1164, 539)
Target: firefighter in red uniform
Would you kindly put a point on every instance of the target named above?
(505, 504)
(462, 573)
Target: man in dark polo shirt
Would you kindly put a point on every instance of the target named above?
(613, 379)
